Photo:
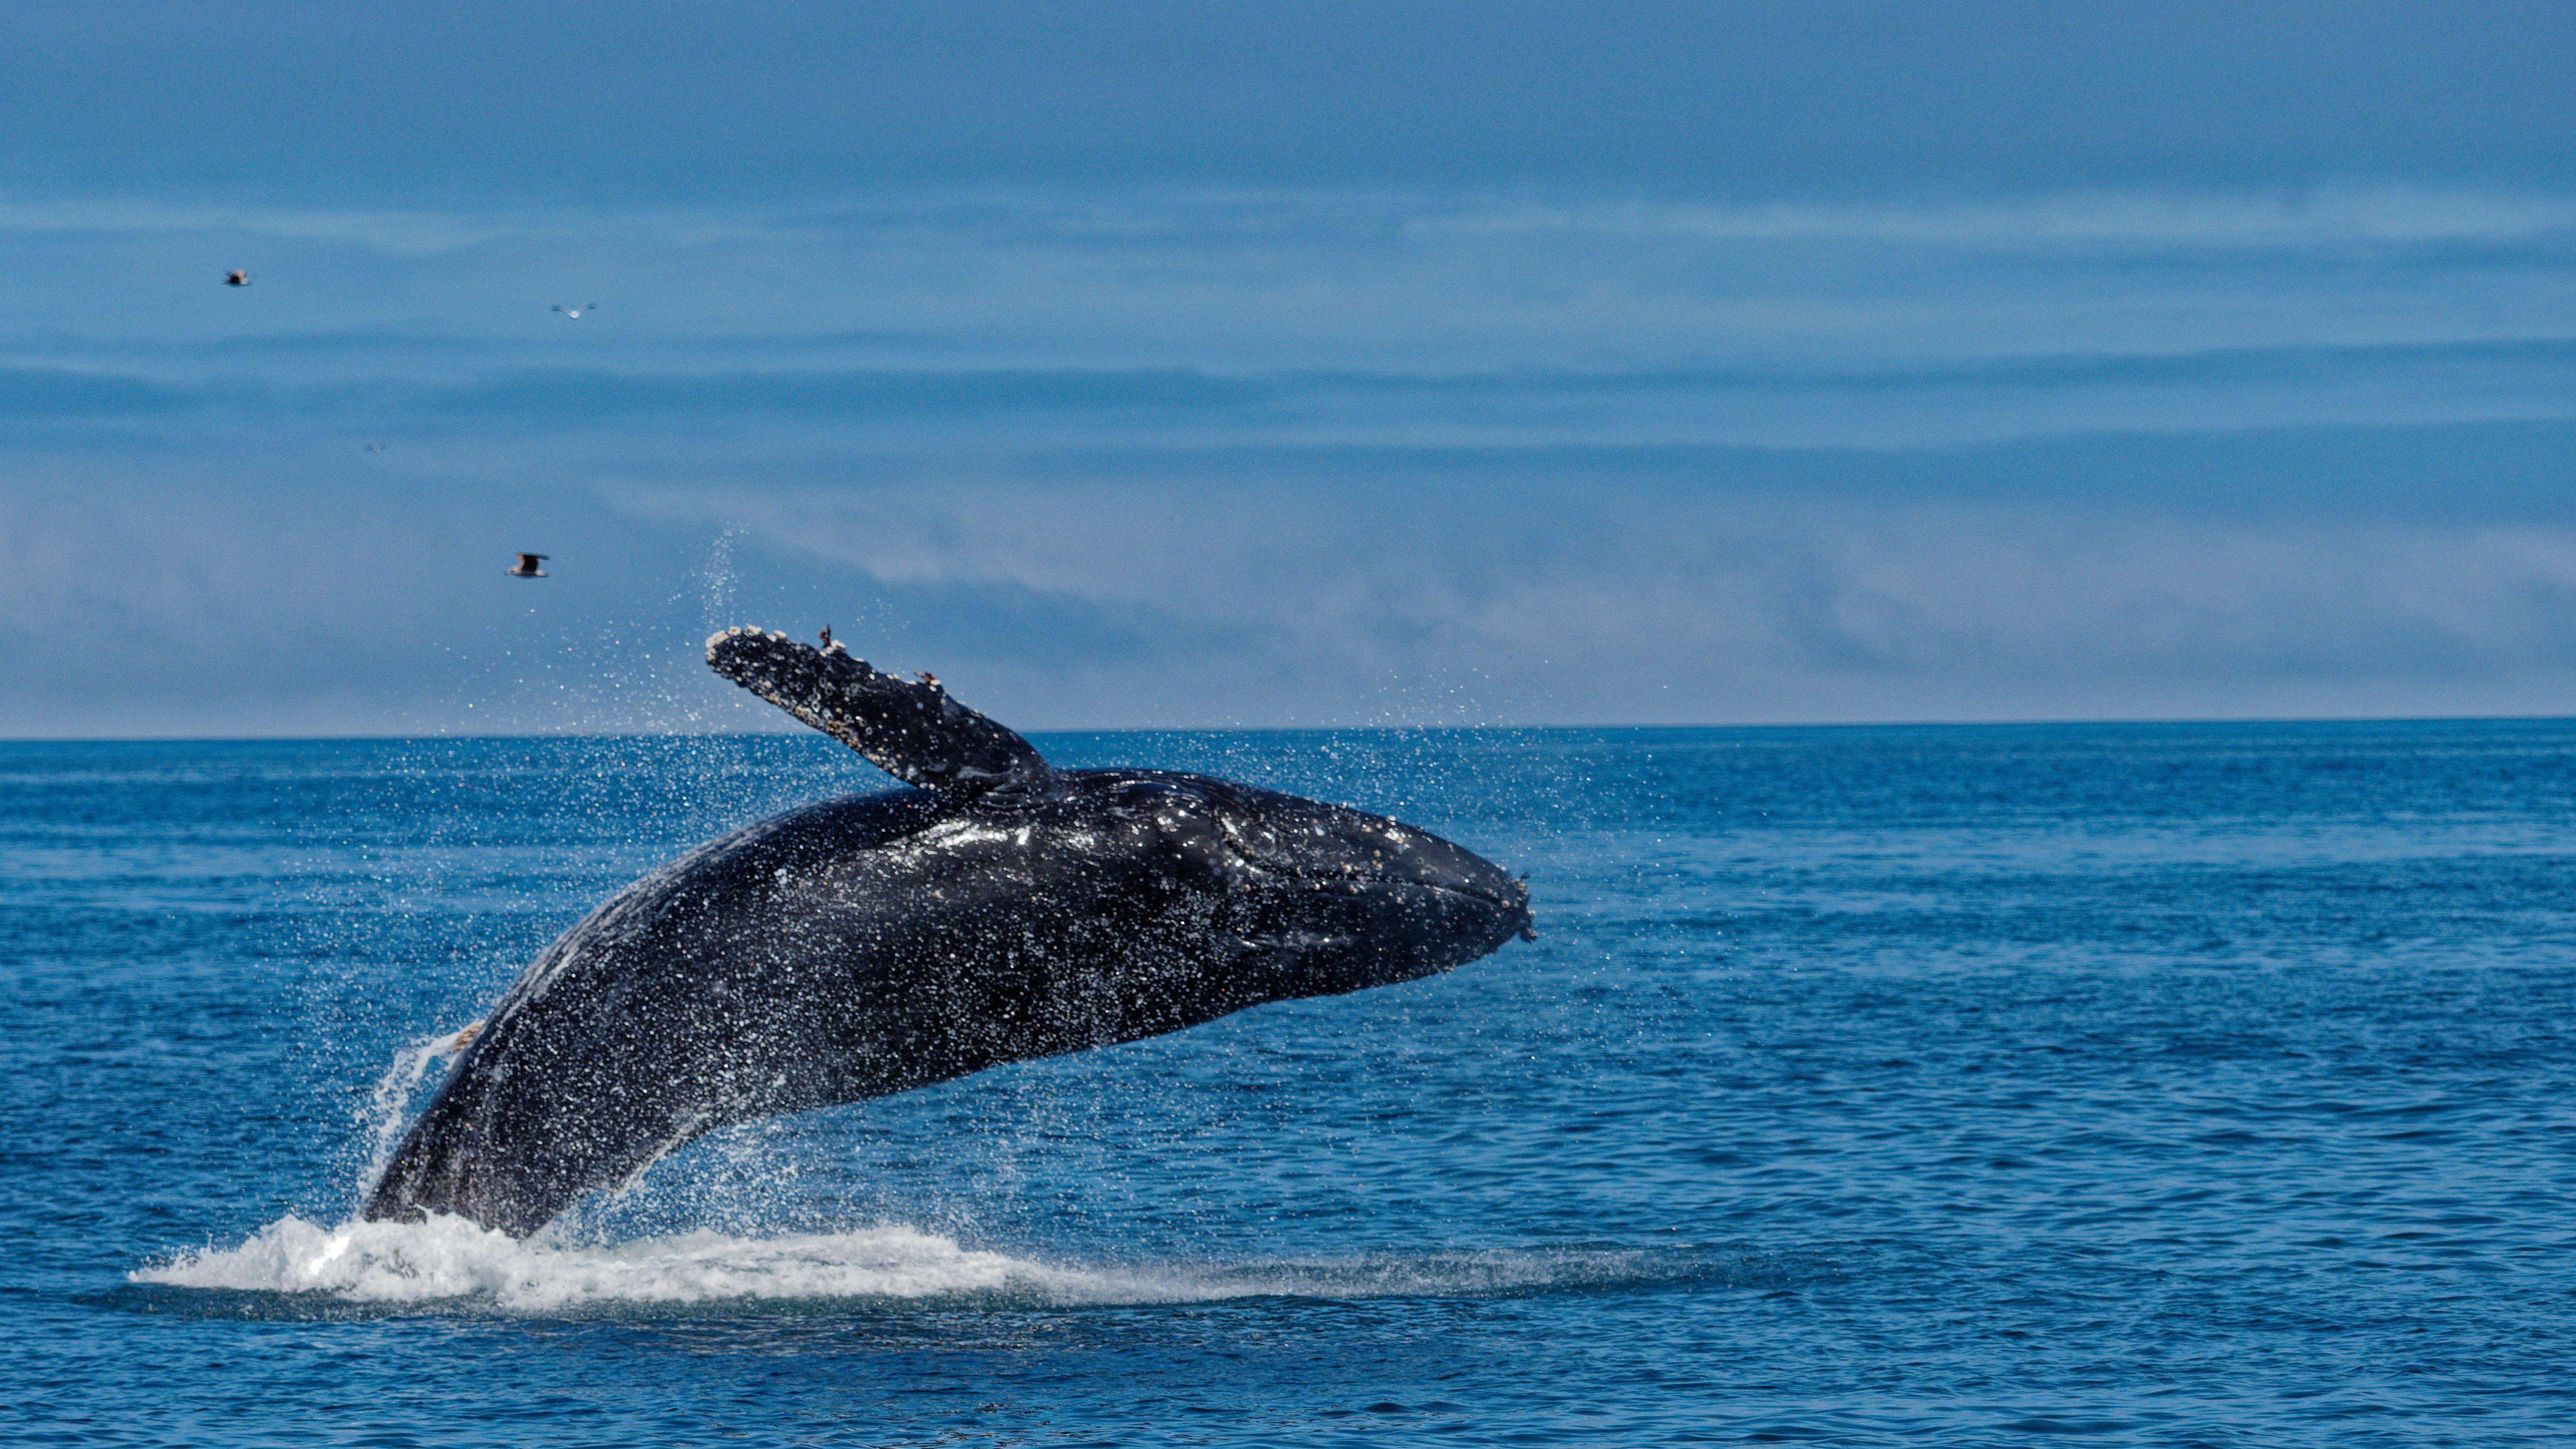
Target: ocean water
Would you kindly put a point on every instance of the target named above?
(2143, 1085)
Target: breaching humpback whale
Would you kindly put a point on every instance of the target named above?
(997, 911)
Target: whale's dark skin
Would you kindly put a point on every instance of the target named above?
(873, 944)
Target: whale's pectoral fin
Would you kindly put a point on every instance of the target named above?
(912, 731)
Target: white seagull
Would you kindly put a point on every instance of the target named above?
(575, 312)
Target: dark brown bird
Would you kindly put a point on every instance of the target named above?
(527, 568)
(827, 636)
(236, 279)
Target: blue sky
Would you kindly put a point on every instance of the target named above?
(1268, 364)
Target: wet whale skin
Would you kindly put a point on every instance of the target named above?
(869, 945)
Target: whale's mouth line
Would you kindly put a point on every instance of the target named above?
(1518, 901)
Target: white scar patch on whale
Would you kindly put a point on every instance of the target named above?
(968, 832)
(952, 835)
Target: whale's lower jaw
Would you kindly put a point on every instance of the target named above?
(518, 1200)
(453, 1169)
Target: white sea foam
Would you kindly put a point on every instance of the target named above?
(450, 1260)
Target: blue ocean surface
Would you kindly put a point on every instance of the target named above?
(2126, 1084)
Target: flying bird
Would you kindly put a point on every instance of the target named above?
(236, 279)
(527, 568)
(575, 312)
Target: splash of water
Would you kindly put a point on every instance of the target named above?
(383, 1114)
(716, 579)
(449, 1260)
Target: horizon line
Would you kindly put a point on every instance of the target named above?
(1957, 724)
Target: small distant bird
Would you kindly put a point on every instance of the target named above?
(827, 636)
(575, 312)
(236, 279)
(527, 568)
(375, 447)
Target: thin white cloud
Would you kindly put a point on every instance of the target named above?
(413, 233)
(1203, 219)
(2330, 218)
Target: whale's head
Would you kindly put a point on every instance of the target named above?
(1322, 898)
